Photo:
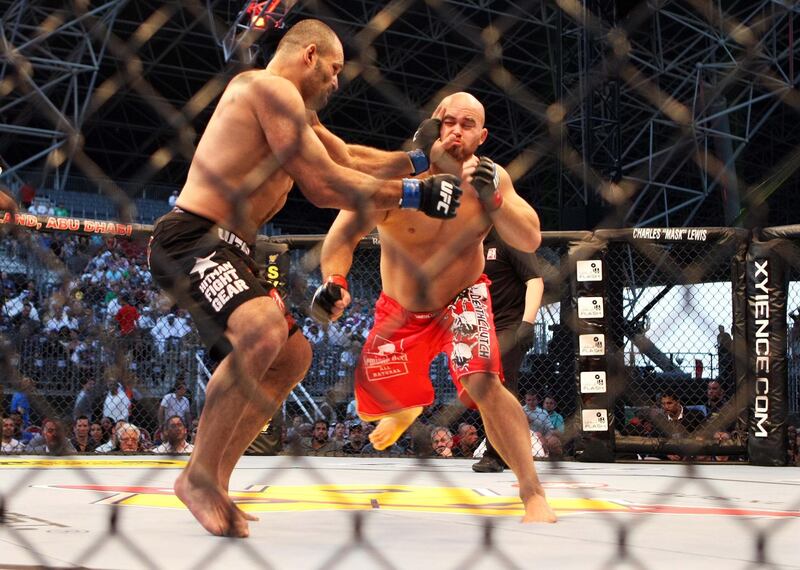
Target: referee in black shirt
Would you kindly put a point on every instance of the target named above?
(516, 292)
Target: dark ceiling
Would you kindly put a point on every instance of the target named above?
(165, 56)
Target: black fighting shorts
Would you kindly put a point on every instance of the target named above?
(209, 271)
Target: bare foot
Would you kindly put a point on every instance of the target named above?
(245, 514)
(385, 434)
(248, 516)
(211, 507)
(537, 510)
(391, 427)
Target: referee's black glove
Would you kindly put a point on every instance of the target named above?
(524, 336)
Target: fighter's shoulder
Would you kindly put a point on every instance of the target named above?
(267, 87)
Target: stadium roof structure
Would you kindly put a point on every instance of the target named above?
(685, 106)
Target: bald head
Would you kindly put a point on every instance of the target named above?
(308, 32)
(462, 132)
(464, 102)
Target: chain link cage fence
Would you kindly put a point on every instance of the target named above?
(683, 287)
(601, 123)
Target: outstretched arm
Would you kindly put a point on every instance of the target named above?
(299, 152)
(378, 163)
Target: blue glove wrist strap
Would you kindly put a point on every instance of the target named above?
(412, 196)
(418, 160)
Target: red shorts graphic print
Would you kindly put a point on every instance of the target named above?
(393, 372)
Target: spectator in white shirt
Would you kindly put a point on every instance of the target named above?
(169, 327)
(116, 405)
(41, 208)
(14, 305)
(145, 320)
(174, 438)
(59, 319)
(9, 444)
(175, 404)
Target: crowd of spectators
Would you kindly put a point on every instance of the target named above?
(104, 338)
(104, 309)
(350, 435)
(85, 325)
(57, 436)
(86, 332)
(673, 419)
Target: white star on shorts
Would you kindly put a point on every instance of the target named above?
(203, 264)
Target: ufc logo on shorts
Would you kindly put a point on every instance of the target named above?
(445, 196)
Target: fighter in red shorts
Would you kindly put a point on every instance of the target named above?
(435, 299)
(393, 371)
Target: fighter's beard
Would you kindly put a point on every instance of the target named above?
(457, 152)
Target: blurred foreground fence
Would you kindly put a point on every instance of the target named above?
(653, 342)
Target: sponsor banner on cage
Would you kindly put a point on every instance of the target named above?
(594, 420)
(593, 382)
(63, 224)
(590, 270)
(590, 307)
(766, 339)
(675, 234)
(592, 344)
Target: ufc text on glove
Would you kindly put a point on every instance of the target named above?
(437, 196)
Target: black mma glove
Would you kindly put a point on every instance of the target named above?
(427, 134)
(524, 336)
(325, 297)
(436, 196)
(486, 181)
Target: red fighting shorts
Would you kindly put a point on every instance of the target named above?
(393, 372)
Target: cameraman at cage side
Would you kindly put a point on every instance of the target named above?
(516, 292)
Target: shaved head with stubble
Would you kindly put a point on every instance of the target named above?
(463, 118)
(307, 39)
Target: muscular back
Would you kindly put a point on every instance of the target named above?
(234, 178)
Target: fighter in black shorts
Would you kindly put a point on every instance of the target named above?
(209, 271)
(258, 144)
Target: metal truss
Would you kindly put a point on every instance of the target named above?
(255, 18)
(703, 86)
(50, 59)
(135, 101)
(589, 96)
